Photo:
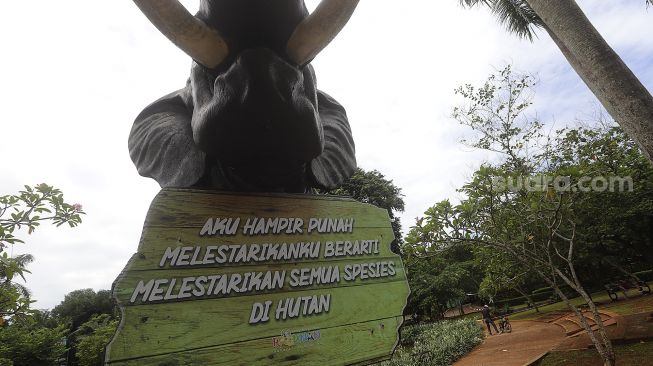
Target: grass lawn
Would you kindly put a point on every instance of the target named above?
(636, 304)
(532, 314)
(631, 354)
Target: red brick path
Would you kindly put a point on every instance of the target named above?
(528, 340)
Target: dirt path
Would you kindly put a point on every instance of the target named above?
(528, 340)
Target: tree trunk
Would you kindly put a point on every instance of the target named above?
(528, 297)
(604, 345)
(606, 353)
(599, 66)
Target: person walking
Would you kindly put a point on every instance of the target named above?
(487, 317)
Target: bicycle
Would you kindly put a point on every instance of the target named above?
(504, 325)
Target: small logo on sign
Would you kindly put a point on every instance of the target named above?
(288, 340)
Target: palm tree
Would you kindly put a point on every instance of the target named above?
(597, 64)
(11, 291)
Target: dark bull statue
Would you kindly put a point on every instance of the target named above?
(250, 117)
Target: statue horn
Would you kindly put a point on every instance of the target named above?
(315, 32)
(199, 41)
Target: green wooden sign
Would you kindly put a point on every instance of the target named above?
(232, 279)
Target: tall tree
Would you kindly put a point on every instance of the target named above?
(597, 64)
(374, 188)
(81, 305)
(503, 273)
(618, 228)
(438, 282)
(84, 312)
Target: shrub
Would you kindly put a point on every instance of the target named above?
(90, 347)
(25, 344)
(437, 344)
(410, 333)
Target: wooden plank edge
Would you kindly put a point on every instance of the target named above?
(118, 303)
(397, 318)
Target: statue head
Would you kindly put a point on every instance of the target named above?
(256, 110)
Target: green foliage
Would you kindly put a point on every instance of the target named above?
(496, 112)
(44, 318)
(97, 332)
(85, 318)
(10, 267)
(80, 306)
(516, 15)
(372, 187)
(504, 276)
(32, 206)
(14, 297)
(408, 334)
(617, 226)
(441, 343)
(437, 282)
(28, 209)
(27, 343)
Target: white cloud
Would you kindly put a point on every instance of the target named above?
(74, 75)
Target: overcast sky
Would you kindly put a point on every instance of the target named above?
(74, 74)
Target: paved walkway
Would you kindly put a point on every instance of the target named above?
(555, 331)
(528, 340)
